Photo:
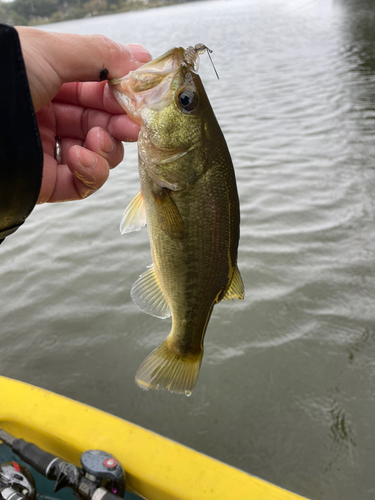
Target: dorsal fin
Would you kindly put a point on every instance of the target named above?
(236, 288)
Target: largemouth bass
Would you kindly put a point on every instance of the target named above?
(188, 198)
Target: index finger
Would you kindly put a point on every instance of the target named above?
(52, 59)
(94, 95)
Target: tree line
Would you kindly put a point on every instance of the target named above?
(34, 12)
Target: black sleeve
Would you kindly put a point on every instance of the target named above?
(21, 153)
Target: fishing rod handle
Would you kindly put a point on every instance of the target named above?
(34, 456)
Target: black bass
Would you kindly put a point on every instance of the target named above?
(188, 198)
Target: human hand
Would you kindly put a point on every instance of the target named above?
(71, 103)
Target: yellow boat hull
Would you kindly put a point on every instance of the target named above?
(157, 468)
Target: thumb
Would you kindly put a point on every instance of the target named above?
(52, 59)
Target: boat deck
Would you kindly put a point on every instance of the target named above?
(157, 468)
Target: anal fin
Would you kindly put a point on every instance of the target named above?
(134, 216)
(236, 288)
(148, 295)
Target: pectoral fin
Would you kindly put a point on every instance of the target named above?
(169, 216)
(148, 295)
(134, 216)
(236, 289)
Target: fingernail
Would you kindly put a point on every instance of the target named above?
(107, 143)
(87, 158)
(139, 52)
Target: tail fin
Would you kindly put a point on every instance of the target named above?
(166, 369)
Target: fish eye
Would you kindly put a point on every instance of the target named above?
(187, 100)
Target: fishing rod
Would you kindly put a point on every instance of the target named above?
(101, 477)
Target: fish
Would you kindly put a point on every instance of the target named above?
(188, 198)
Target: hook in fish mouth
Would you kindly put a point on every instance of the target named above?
(192, 56)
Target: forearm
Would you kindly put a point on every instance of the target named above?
(21, 153)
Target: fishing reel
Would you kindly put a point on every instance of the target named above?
(101, 477)
(16, 482)
(104, 471)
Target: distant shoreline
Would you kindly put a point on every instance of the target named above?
(39, 12)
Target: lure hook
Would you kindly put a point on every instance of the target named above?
(201, 49)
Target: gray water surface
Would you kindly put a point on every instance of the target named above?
(286, 389)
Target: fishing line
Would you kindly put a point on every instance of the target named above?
(209, 52)
(264, 25)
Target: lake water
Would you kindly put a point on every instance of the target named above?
(286, 389)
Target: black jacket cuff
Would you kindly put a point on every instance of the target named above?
(21, 152)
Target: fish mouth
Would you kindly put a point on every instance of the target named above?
(148, 85)
(153, 84)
